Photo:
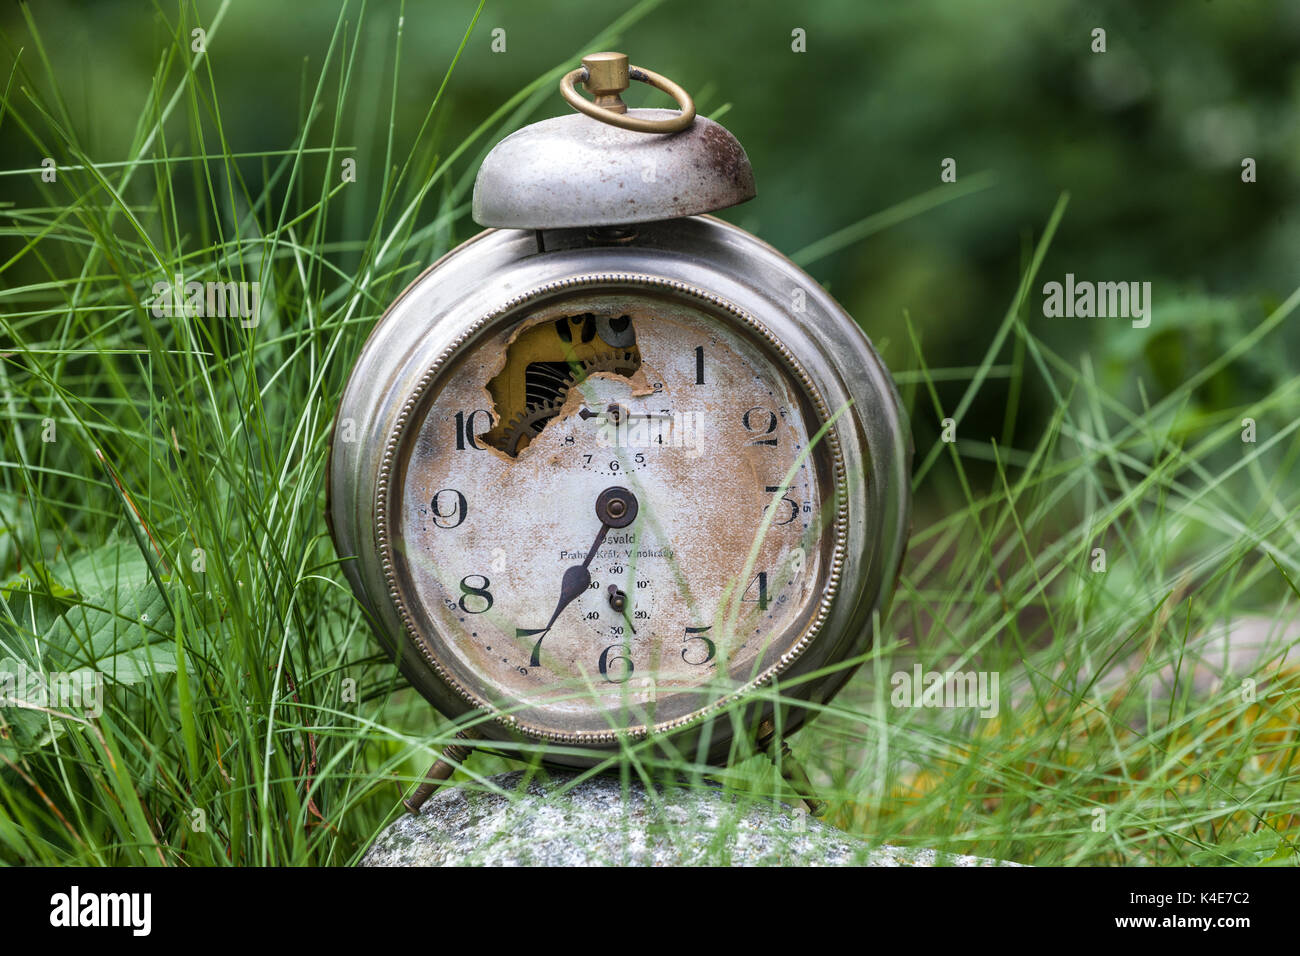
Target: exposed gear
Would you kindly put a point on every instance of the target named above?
(621, 362)
(547, 392)
(527, 425)
(545, 361)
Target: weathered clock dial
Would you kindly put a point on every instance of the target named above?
(537, 598)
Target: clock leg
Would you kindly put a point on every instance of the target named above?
(441, 771)
(790, 768)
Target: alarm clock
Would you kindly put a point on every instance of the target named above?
(614, 467)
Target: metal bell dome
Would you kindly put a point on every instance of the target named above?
(611, 166)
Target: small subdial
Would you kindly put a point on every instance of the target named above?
(618, 603)
(627, 436)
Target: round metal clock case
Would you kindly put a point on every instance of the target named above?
(496, 282)
(616, 464)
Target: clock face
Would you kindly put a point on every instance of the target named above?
(614, 512)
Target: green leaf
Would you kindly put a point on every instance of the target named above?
(91, 621)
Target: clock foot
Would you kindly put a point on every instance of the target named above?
(791, 770)
(452, 756)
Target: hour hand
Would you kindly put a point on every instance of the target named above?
(576, 580)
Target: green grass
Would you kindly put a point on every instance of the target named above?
(172, 533)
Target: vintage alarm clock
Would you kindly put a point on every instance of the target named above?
(614, 464)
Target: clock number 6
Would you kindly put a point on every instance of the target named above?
(606, 660)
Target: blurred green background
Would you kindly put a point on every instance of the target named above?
(1147, 138)
(848, 140)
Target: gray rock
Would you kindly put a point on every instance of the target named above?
(556, 823)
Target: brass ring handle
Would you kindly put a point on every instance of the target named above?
(606, 75)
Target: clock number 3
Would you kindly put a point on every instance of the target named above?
(786, 499)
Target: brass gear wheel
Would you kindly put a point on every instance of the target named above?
(527, 425)
(548, 390)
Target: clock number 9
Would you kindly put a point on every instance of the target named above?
(458, 506)
(605, 662)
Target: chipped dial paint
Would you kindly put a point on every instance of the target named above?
(718, 574)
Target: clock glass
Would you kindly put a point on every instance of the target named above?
(612, 509)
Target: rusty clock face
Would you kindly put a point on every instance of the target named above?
(613, 510)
